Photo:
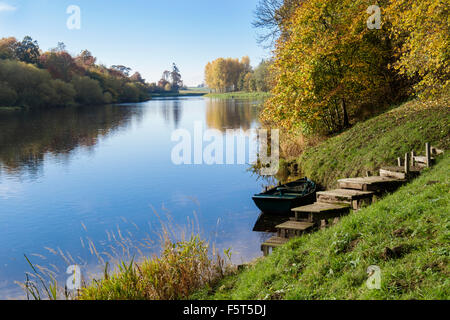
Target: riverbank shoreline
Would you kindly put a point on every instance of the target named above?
(239, 95)
(412, 218)
(12, 109)
(175, 95)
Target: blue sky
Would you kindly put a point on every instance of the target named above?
(146, 35)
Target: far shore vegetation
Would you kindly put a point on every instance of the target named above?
(183, 92)
(240, 95)
(234, 75)
(31, 78)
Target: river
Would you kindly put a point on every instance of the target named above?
(75, 176)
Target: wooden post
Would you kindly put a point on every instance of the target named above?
(428, 153)
(406, 163)
(413, 161)
(433, 150)
(399, 160)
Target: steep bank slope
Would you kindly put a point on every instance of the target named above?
(379, 141)
(414, 223)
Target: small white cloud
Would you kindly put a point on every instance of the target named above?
(6, 7)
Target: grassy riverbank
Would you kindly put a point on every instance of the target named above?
(332, 263)
(240, 95)
(378, 141)
(190, 92)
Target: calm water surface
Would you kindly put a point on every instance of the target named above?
(71, 176)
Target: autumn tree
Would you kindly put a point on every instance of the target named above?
(262, 76)
(55, 78)
(7, 48)
(136, 77)
(420, 32)
(88, 91)
(86, 59)
(23, 84)
(60, 64)
(27, 50)
(271, 17)
(125, 71)
(225, 75)
(328, 67)
(60, 47)
(175, 76)
(164, 81)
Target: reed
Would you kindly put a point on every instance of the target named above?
(182, 268)
(185, 264)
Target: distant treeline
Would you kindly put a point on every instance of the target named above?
(229, 75)
(32, 78)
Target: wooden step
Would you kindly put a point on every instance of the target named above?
(371, 183)
(272, 243)
(422, 160)
(393, 172)
(436, 151)
(355, 198)
(399, 172)
(292, 229)
(319, 211)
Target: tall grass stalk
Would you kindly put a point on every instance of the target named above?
(186, 263)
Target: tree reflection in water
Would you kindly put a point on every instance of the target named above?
(27, 137)
(231, 114)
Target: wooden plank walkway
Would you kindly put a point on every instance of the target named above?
(376, 183)
(272, 243)
(421, 159)
(319, 211)
(292, 229)
(399, 172)
(355, 198)
(352, 193)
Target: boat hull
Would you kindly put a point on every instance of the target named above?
(282, 206)
(281, 200)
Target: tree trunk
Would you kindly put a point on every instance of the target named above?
(344, 110)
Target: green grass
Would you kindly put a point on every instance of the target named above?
(195, 89)
(239, 95)
(378, 141)
(332, 263)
